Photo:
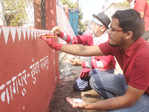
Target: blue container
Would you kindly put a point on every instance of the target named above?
(74, 18)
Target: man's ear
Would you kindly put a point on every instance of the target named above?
(129, 35)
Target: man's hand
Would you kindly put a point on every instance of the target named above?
(56, 30)
(76, 103)
(75, 62)
(52, 43)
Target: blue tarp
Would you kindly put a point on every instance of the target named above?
(73, 18)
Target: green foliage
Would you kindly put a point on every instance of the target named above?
(81, 26)
(70, 4)
(124, 4)
(15, 13)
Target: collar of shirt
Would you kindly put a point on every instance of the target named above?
(132, 49)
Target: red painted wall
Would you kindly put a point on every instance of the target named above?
(28, 67)
(28, 70)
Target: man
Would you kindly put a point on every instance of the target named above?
(142, 6)
(98, 27)
(124, 93)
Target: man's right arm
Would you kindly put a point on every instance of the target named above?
(58, 32)
(80, 50)
(75, 49)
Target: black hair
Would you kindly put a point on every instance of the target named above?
(130, 20)
(80, 32)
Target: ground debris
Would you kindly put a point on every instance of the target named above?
(68, 75)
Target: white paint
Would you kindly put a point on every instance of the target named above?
(20, 74)
(28, 34)
(77, 100)
(17, 85)
(8, 82)
(24, 33)
(6, 33)
(24, 92)
(32, 34)
(33, 60)
(19, 31)
(28, 75)
(38, 34)
(14, 78)
(11, 92)
(0, 32)
(3, 98)
(2, 86)
(19, 82)
(14, 88)
(24, 108)
(35, 35)
(7, 95)
(24, 78)
(13, 33)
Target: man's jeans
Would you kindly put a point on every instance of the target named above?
(109, 85)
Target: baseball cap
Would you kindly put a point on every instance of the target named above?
(104, 19)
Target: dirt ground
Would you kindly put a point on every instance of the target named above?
(64, 89)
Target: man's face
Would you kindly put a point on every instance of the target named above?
(116, 37)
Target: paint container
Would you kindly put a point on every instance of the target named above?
(77, 100)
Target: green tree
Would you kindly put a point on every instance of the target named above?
(14, 11)
(70, 4)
